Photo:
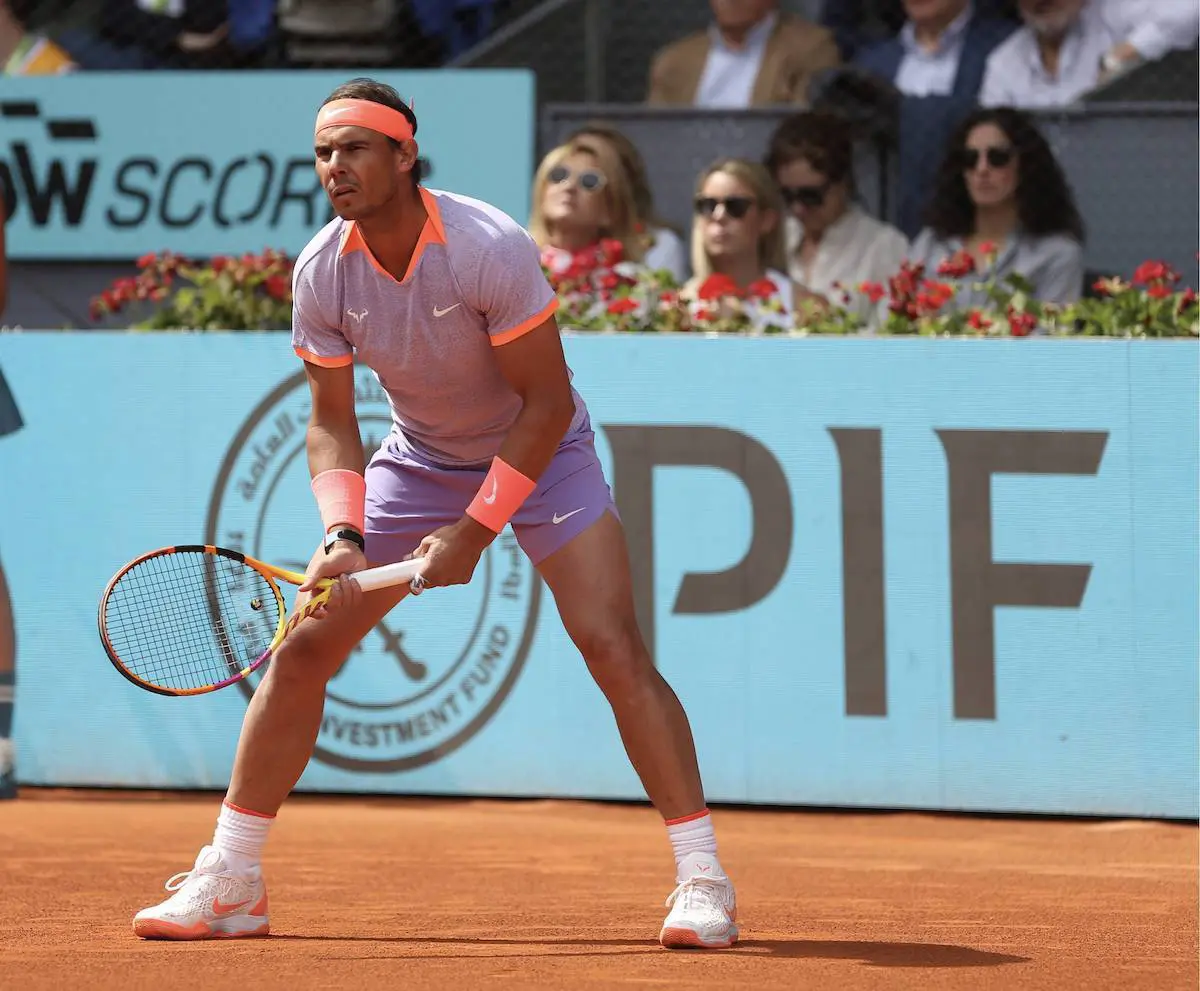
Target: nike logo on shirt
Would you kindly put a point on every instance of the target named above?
(556, 519)
(441, 311)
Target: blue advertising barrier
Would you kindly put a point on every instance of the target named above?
(112, 165)
(941, 574)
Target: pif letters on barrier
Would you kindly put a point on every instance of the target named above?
(977, 582)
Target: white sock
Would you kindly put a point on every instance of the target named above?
(241, 836)
(692, 834)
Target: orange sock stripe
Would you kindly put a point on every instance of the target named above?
(246, 812)
(692, 818)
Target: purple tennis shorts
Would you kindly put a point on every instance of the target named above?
(409, 497)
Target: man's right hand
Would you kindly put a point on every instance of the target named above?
(344, 558)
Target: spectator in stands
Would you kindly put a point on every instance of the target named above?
(192, 34)
(25, 53)
(858, 24)
(937, 64)
(1000, 186)
(831, 240)
(753, 54)
(665, 248)
(1068, 47)
(738, 233)
(581, 199)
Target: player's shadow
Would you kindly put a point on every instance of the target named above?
(872, 954)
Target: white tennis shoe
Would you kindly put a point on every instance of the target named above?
(210, 901)
(703, 907)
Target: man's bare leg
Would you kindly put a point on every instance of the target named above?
(591, 583)
(283, 718)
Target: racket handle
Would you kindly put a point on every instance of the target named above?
(387, 575)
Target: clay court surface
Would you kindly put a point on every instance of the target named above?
(431, 894)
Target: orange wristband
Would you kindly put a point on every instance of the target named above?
(341, 497)
(503, 491)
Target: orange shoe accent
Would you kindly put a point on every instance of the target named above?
(261, 907)
(221, 909)
(684, 939)
(161, 929)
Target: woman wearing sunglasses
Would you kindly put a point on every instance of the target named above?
(831, 240)
(1001, 184)
(737, 232)
(665, 249)
(581, 197)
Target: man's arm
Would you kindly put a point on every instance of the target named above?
(536, 369)
(333, 440)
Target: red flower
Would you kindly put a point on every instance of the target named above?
(978, 321)
(1021, 324)
(669, 298)
(706, 313)
(872, 290)
(1159, 292)
(933, 296)
(1188, 299)
(988, 249)
(904, 283)
(147, 260)
(717, 286)
(762, 289)
(276, 286)
(1100, 287)
(958, 265)
(219, 264)
(625, 305)
(1155, 273)
(611, 251)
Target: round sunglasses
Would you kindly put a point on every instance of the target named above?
(589, 180)
(736, 206)
(997, 158)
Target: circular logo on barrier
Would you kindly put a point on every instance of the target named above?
(432, 673)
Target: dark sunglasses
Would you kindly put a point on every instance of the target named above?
(589, 180)
(736, 206)
(997, 158)
(810, 196)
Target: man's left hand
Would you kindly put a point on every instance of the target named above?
(452, 553)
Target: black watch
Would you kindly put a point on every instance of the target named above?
(344, 533)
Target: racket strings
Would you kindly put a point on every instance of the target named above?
(189, 620)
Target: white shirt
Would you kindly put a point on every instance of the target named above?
(1016, 75)
(668, 251)
(857, 248)
(925, 73)
(730, 73)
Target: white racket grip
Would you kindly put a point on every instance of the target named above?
(388, 574)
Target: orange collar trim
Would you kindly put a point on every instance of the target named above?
(434, 232)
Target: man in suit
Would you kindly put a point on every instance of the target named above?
(752, 55)
(937, 63)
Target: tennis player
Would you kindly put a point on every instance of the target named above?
(443, 297)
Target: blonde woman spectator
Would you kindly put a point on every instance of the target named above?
(665, 248)
(582, 203)
(833, 244)
(1003, 205)
(737, 238)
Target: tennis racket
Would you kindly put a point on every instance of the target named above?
(195, 618)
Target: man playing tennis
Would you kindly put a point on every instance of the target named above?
(443, 297)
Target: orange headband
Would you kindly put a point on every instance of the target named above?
(365, 113)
